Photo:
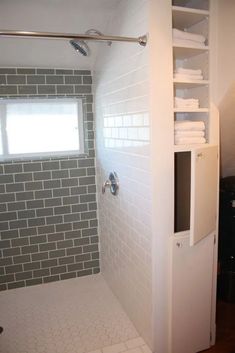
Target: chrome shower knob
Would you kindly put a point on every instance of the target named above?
(112, 183)
(106, 184)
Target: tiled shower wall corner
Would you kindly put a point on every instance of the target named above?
(123, 145)
(48, 219)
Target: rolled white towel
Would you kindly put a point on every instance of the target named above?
(189, 125)
(187, 43)
(183, 71)
(187, 77)
(188, 36)
(189, 140)
(189, 133)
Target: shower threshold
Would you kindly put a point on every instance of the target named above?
(72, 316)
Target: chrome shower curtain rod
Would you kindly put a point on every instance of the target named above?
(142, 40)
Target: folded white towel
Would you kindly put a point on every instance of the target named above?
(181, 70)
(189, 125)
(186, 103)
(187, 43)
(185, 100)
(188, 36)
(189, 133)
(187, 77)
(189, 140)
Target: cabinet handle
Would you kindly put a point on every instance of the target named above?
(199, 155)
(179, 245)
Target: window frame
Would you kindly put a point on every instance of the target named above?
(42, 155)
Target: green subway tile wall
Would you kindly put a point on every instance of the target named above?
(48, 217)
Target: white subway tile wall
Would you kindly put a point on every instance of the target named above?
(48, 220)
(123, 141)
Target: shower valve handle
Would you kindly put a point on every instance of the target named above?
(112, 182)
(106, 184)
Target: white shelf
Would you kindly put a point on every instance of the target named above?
(184, 52)
(183, 110)
(184, 17)
(188, 148)
(183, 234)
(189, 83)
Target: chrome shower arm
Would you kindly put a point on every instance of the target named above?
(142, 40)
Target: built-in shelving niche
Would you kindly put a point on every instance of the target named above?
(192, 16)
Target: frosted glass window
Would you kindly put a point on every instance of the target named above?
(41, 127)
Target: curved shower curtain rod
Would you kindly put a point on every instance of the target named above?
(142, 40)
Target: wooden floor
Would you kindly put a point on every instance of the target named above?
(225, 341)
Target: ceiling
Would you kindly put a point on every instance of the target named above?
(69, 16)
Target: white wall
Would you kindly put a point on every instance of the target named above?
(123, 141)
(226, 84)
(162, 159)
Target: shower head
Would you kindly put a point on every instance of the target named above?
(80, 46)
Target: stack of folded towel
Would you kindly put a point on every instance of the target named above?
(189, 132)
(188, 39)
(188, 74)
(186, 103)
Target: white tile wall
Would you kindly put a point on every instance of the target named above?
(123, 141)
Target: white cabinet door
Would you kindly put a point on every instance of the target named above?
(204, 186)
(191, 294)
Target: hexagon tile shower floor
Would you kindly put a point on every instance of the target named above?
(72, 316)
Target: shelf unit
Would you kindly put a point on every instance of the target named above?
(192, 16)
(195, 187)
(193, 20)
(185, 180)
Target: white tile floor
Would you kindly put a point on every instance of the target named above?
(72, 316)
